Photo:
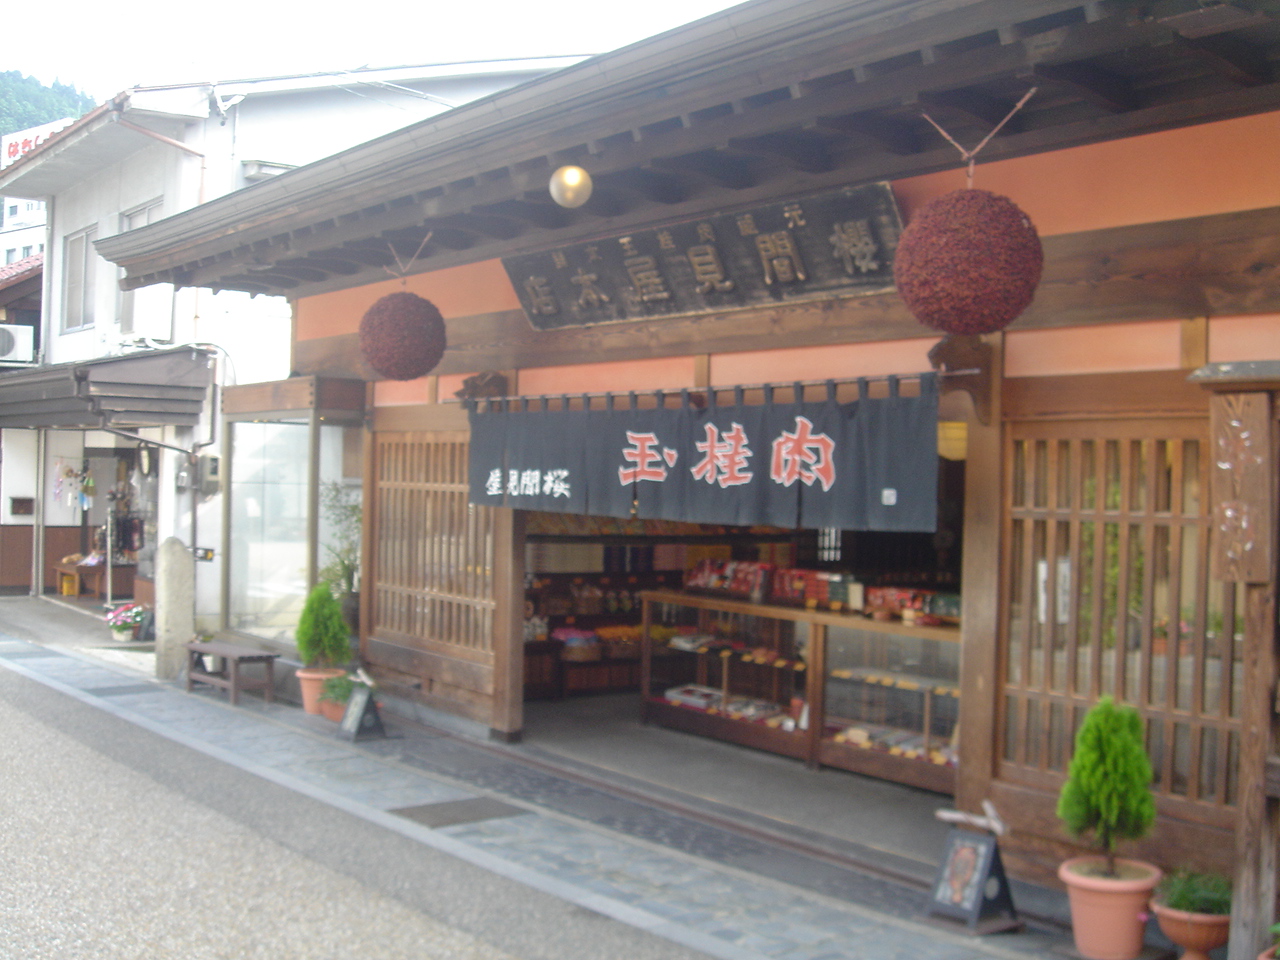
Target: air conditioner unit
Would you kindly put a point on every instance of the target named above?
(17, 343)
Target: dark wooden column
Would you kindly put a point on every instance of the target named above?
(1243, 500)
(980, 566)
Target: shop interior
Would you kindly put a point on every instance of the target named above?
(114, 493)
(734, 665)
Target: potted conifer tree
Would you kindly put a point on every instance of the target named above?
(1108, 795)
(324, 644)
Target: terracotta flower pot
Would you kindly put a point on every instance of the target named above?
(1108, 914)
(1195, 933)
(333, 710)
(311, 680)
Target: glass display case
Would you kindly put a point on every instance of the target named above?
(836, 689)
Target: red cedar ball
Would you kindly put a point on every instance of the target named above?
(402, 336)
(969, 262)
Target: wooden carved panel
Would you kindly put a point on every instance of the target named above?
(1241, 487)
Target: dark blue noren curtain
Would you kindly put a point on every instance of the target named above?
(898, 459)
(868, 465)
(487, 456)
(818, 445)
(604, 442)
(727, 462)
(660, 455)
(552, 459)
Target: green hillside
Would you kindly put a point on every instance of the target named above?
(26, 102)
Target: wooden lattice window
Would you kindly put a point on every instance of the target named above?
(433, 568)
(1107, 591)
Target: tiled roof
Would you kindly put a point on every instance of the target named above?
(11, 273)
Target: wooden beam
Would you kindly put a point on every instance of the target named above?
(971, 105)
(1194, 343)
(893, 135)
(546, 215)
(497, 228)
(734, 173)
(1234, 59)
(1099, 87)
(652, 185)
(808, 153)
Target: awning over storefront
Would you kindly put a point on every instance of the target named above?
(162, 388)
(867, 465)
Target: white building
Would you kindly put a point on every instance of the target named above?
(108, 418)
(22, 219)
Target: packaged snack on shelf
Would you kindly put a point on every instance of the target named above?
(817, 588)
(946, 605)
(620, 642)
(845, 593)
(588, 599)
(749, 708)
(694, 695)
(896, 599)
(579, 645)
(787, 585)
(690, 642)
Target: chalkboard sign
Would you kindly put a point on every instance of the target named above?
(972, 885)
(361, 720)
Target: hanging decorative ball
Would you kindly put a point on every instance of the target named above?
(968, 263)
(570, 186)
(402, 336)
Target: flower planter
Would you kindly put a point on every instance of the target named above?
(122, 634)
(332, 710)
(1195, 933)
(311, 680)
(1108, 914)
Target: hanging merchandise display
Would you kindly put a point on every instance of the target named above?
(402, 336)
(88, 488)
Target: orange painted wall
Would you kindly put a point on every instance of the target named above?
(1131, 346)
(1212, 168)
(457, 291)
(1233, 339)
(842, 361)
(664, 373)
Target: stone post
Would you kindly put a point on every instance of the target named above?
(175, 606)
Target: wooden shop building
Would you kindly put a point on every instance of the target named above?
(1104, 516)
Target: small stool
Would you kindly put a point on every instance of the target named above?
(229, 677)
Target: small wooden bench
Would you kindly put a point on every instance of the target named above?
(229, 677)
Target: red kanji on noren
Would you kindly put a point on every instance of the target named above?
(724, 458)
(646, 456)
(804, 455)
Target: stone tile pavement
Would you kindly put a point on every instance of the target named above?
(698, 885)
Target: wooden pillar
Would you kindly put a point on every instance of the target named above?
(980, 583)
(508, 625)
(1243, 491)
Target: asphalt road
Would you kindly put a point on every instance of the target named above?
(115, 842)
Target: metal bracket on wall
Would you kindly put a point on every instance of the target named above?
(966, 361)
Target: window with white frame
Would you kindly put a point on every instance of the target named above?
(146, 311)
(78, 279)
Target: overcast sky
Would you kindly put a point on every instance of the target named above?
(104, 47)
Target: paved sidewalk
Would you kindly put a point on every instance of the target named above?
(726, 894)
